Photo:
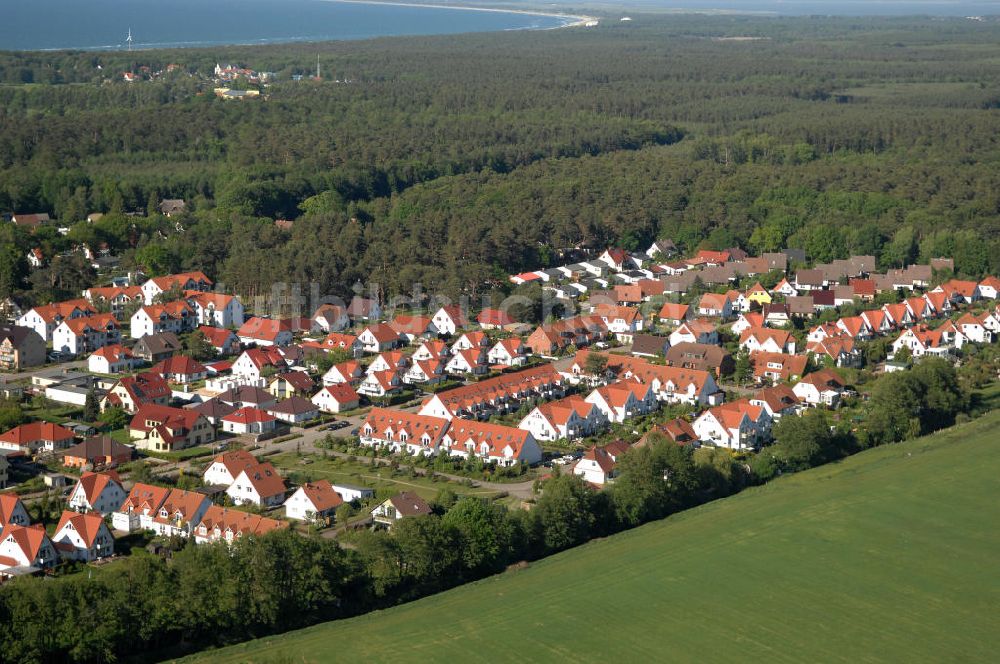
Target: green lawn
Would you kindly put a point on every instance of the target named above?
(356, 472)
(889, 556)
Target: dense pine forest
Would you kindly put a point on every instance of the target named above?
(453, 161)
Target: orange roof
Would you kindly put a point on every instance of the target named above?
(382, 419)
(264, 329)
(494, 317)
(169, 281)
(824, 378)
(236, 461)
(517, 382)
(28, 433)
(382, 333)
(236, 522)
(601, 457)
(265, 479)
(673, 311)
(144, 497)
(248, 415)
(496, 437)
(113, 353)
(8, 503)
(94, 484)
(215, 335)
(179, 364)
(87, 525)
(559, 412)
(321, 495)
(761, 334)
(28, 538)
(181, 503)
(83, 323)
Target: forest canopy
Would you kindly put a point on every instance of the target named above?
(454, 161)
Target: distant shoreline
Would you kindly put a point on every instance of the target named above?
(572, 20)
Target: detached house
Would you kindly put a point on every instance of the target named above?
(381, 384)
(36, 437)
(216, 309)
(81, 335)
(156, 347)
(715, 305)
(180, 369)
(45, 319)
(175, 317)
(294, 410)
(623, 400)
(226, 467)
(20, 348)
(249, 420)
(313, 501)
(698, 331)
(510, 352)
(265, 332)
(776, 401)
(331, 318)
(178, 514)
(223, 341)
(598, 465)
(349, 372)
(259, 485)
(738, 425)
(83, 537)
(336, 398)
(767, 340)
(132, 392)
(821, 388)
(494, 319)
(571, 417)
(26, 547)
(400, 506)
(112, 359)
(450, 319)
(378, 337)
(165, 429)
(97, 492)
(673, 314)
(425, 371)
(12, 511)
(469, 361)
(187, 281)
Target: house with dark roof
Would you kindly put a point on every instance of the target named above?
(156, 347)
(20, 348)
(97, 452)
(402, 505)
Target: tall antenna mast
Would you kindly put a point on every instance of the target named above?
(128, 40)
(317, 66)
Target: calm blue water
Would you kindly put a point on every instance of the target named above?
(95, 24)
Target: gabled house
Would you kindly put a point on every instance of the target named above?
(112, 359)
(253, 363)
(178, 514)
(249, 420)
(431, 350)
(704, 357)
(678, 430)
(180, 369)
(510, 352)
(400, 506)
(598, 465)
(775, 367)
(77, 336)
(973, 329)
(877, 321)
(290, 384)
(767, 340)
(475, 340)
(363, 308)
(758, 295)
(389, 361)
(820, 388)
(777, 401)
(784, 289)
(97, 452)
(449, 319)
(855, 327)
(425, 371)
(349, 372)
(697, 331)
(331, 318)
(623, 400)
(259, 485)
(470, 361)
(247, 395)
(578, 331)
(570, 417)
(132, 392)
(840, 350)
(313, 501)
(673, 313)
(36, 437)
(12, 511)
(26, 547)
(380, 384)
(959, 291)
(156, 347)
(737, 425)
(378, 337)
(166, 429)
(139, 507)
(989, 288)
(226, 467)
(97, 492)
(216, 309)
(414, 328)
(265, 332)
(623, 322)
(186, 281)
(715, 305)
(747, 321)
(83, 537)
(175, 317)
(346, 342)
(336, 398)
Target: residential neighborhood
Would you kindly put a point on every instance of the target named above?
(203, 389)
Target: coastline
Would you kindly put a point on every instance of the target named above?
(571, 20)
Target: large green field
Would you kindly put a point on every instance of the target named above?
(891, 555)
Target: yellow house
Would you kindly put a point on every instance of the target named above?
(758, 294)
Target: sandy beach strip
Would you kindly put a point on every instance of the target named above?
(571, 21)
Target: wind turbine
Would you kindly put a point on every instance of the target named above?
(128, 40)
